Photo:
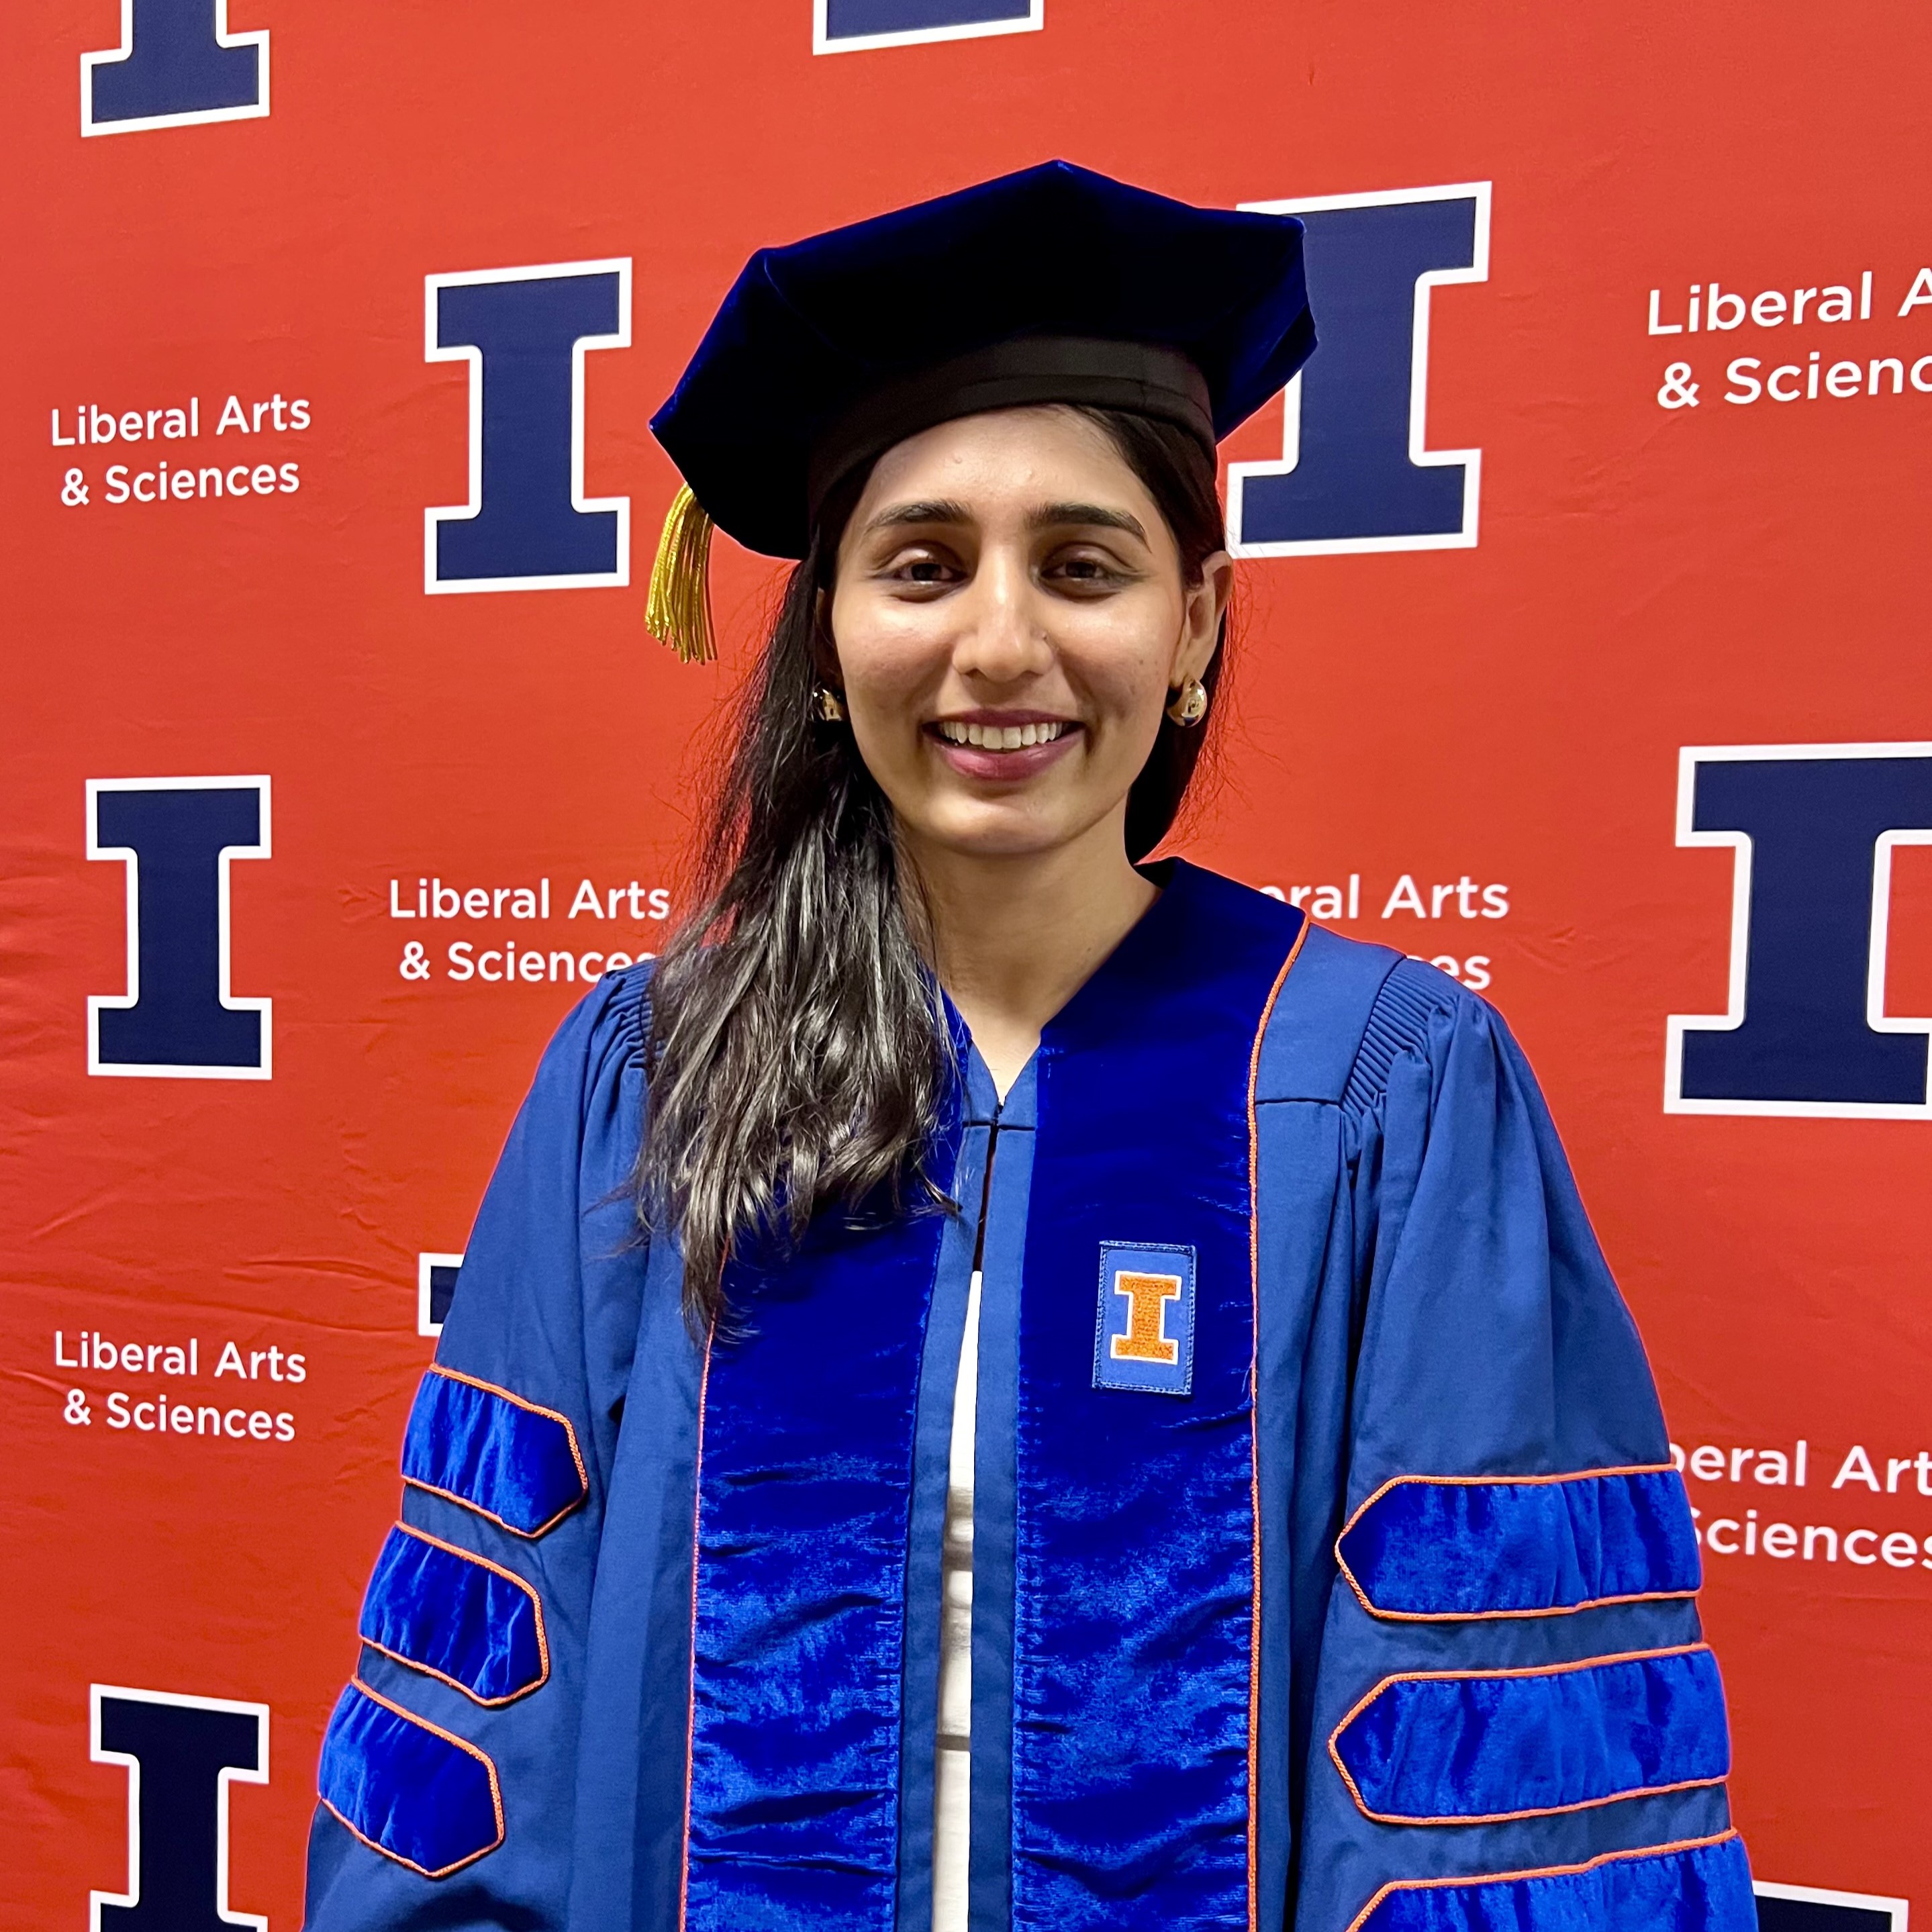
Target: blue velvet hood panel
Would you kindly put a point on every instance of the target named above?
(805, 1471)
(1135, 1566)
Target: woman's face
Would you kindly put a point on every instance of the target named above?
(1010, 620)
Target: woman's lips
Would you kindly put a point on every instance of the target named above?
(1001, 760)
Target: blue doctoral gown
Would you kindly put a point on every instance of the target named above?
(1330, 1572)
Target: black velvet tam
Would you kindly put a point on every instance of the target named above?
(1053, 285)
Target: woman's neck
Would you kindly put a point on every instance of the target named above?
(1015, 938)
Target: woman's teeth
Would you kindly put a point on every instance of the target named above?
(1000, 737)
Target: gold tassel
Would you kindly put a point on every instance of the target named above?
(678, 611)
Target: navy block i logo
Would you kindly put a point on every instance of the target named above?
(435, 1288)
(851, 26)
(177, 65)
(524, 333)
(1801, 1908)
(1356, 473)
(178, 1019)
(1812, 829)
(181, 1755)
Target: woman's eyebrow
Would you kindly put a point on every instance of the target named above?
(1048, 516)
(934, 510)
(1059, 516)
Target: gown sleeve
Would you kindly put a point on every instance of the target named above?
(447, 1772)
(1514, 1720)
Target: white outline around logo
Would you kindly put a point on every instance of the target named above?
(1419, 453)
(99, 1003)
(194, 117)
(620, 265)
(1689, 758)
(424, 1263)
(1032, 21)
(230, 1774)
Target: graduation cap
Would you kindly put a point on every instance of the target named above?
(1053, 285)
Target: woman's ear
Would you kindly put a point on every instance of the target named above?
(824, 652)
(1204, 606)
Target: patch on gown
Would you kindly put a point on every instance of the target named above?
(1143, 1332)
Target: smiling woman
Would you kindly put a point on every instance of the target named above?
(1027, 602)
(927, 1335)
(1054, 571)
(1074, 582)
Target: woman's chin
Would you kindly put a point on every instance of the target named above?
(1011, 829)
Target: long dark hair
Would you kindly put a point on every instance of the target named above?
(798, 1058)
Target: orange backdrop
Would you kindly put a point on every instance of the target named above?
(1650, 573)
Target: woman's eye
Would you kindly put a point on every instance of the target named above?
(925, 571)
(1083, 573)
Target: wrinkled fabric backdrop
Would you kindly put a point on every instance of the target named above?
(1582, 652)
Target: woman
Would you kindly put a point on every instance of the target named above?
(1094, 1403)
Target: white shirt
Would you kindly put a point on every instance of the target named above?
(953, 1786)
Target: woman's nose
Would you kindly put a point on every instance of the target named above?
(1002, 638)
